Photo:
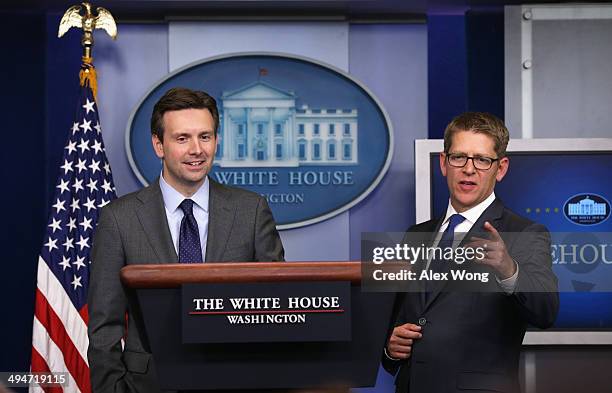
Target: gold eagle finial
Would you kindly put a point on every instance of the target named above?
(88, 22)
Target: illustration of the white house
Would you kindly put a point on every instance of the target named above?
(586, 207)
(261, 126)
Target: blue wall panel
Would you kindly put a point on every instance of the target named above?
(447, 71)
(23, 173)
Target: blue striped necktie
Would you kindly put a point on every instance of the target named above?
(446, 241)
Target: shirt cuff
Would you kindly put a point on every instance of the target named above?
(389, 356)
(508, 285)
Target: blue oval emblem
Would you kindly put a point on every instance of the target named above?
(306, 135)
(587, 209)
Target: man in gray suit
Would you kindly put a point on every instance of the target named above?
(184, 216)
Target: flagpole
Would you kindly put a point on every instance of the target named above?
(81, 17)
(84, 186)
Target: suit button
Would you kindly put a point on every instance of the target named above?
(422, 321)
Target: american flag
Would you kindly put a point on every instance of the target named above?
(85, 184)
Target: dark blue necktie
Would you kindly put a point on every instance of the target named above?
(446, 240)
(190, 249)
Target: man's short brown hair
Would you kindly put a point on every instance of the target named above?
(179, 98)
(482, 123)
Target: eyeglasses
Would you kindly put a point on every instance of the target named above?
(458, 160)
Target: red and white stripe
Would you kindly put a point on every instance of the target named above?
(59, 338)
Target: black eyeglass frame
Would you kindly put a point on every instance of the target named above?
(467, 158)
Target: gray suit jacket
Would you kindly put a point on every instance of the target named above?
(134, 230)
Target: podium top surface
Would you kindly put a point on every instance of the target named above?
(174, 275)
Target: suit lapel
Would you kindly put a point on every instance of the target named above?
(152, 217)
(432, 230)
(491, 214)
(221, 215)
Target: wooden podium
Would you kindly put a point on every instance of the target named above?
(267, 366)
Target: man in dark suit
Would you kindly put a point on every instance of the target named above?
(184, 216)
(449, 339)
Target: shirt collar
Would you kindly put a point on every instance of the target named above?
(471, 214)
(173, 198)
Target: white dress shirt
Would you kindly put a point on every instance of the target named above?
(174, 214)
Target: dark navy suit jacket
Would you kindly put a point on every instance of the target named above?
(472, 338)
